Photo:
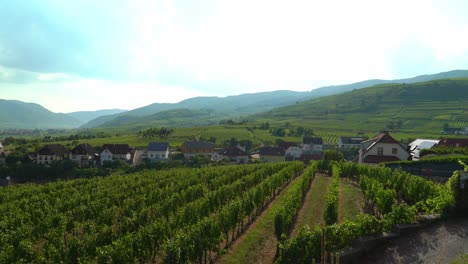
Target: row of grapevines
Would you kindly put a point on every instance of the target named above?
(330, 215)
(384, 189)
(285, 216)
(198, 241)
(84, 218)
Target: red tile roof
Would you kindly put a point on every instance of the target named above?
(454, 142)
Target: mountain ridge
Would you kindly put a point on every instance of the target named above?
(252, 103)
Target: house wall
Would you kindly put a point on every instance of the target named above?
(402, 154)
(158, 155)
(82, 160)
(312, 148)
(46, 159)
(106, 155)
(294, 152)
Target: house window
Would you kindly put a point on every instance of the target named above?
(394, 151)
(380, 151)
(151, 155)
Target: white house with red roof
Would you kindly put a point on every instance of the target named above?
(382, 148)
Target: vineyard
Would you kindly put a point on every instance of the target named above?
(195, 215)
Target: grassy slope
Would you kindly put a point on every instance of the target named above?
(350, 201)
(311, 212)
(422, 108)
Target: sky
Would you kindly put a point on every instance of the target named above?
(70, 55)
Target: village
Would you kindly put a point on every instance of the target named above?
(382, 148)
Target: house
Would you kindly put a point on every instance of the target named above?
(271, 154)
(453, 142)
(349, 142)
(84, 155)
(312, 145)
(419, 144)
(114, 152)
(50, 153)
(293, 152)
(234, 154)
(192, 149)
(382, 148)
(157, 151)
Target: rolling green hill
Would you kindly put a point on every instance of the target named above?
(86, 116)
(219, 107)
(238, 105)
(420, 107)
(17, 114)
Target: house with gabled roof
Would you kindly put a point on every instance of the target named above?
(50, 153)
(271, 154)
(157, 151)
(312, 145)
(84, 155)
(382, 148)
(114, 152)
(234, 154)
(192, 149)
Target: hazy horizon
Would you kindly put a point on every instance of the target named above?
(82, 56)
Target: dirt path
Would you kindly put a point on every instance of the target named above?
(258, 243)
(438, 243)
(311, 212)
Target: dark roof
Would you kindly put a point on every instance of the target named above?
(379, 159)
(454, 142)
(198, 145)
(286, 145)
(312, 140)
(233, 152)
(158, 146)
(383, 137)
(271, 151)
(351, 140)
(117, 148)
(53, 149)
(83, 149)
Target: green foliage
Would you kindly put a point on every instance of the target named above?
(418, 108)
(134, 218)
(284, 217)
(330, 215)
(333, 155)
(444, 150)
